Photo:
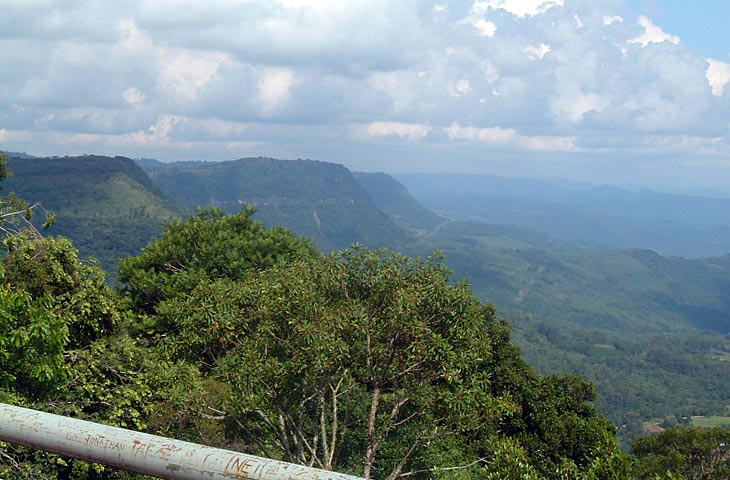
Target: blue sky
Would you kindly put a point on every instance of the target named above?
(630, 92)
(701, 24)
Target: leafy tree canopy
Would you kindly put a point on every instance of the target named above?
(206, 246)
(693, 453)
(373, 363)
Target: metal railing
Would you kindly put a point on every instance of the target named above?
(143, 453)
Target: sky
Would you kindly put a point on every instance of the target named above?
(629, 92)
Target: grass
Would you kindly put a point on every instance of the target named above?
(710, 422)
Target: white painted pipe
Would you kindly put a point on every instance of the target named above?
(143, 453)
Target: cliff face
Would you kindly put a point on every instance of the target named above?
(315, 199)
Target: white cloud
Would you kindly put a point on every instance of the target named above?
(313, 78)
(718, 75)
(410, 131)
(3, 135)
(486, 135)
(460, 88)
(536, 52)
(491, 72)
(652, 34)
(485, 27)
(186, 72)
(510, 137)
(575, 105)
(133, 96)
(274, 87)
(520, 8)
(160, 132)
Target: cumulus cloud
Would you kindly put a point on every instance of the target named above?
(409, 131)
(652, 34)
(460, 88)
(133, 96)
(274, 87)
(186, 73)
(521, 8)
(536, 52)
(510, 137)
(187, 79)
(718, 75)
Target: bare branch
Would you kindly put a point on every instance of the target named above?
(445, 469)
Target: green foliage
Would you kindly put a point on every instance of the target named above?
(32, 344)
(317, 199)
(50, 303)
(561, 423)
(392, 198)
(49, 268)
(209, 245)
(371, 358)
(107, 206)
(366, 335)
(648, 331)
(367, 362)
(690, 452)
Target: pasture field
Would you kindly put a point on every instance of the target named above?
(710, 422)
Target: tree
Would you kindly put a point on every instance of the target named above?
(49, 268)
(692, 452)
(367, 362)
(16, 215)
(206, 246)
(362, 361)
(32, 344)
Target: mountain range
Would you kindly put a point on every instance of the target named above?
(604, 217)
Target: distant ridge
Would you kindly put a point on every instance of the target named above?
(107, 205)
(391, 196)
(604, 217)
(316, 199)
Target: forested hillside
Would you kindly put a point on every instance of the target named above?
(317, 199)
(392, 198)
(648, 330)
(231, 334)
(108, 206)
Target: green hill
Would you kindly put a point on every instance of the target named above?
(651, 332)
(107, 206)
(315, 199)
(391, 197)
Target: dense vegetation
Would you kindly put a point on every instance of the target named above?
(362, 361)
(648, 331)
(392, 198)
(230, 334)
(108, 206)
(319, 200)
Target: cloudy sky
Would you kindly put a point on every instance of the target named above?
(632, 92)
